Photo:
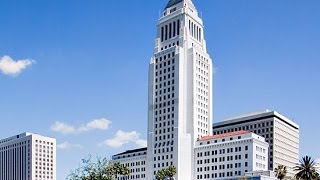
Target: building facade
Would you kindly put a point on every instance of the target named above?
(260, 175)
(28, 156)
(135, 160)
(281, 133)
(180, 90)
(230, 155)
(180, 129)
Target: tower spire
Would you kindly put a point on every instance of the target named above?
(174, 2)
(180, 4)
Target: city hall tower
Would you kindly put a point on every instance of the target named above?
(180, 91)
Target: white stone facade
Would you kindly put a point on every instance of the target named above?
(180, 91)
(281, 133)
(180, 113)
(135, 160)
(28, 156)
(230, 155)
(260, 175)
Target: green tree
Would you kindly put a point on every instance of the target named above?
(171, 171)
(281, 171)
(102, 169)
(166, 173)
(306, 169)
(161, 174)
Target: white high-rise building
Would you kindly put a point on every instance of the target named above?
(180, 126)
(28, 156)
(180, 91)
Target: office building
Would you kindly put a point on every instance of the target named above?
(230, 155)
(28, 156)
(180, 113)
(180, 90)
(280, 132)
(259, 175)
(135, 161)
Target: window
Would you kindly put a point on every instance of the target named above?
(166, 32)
(178, 28)
(170, 30)
(174, 29)
(162, 34)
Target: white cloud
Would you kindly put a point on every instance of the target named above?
(96, 124)
(63, 128)
(102, 124)
(141, 143)
(67, 145)
(121, 138)
(10, 67)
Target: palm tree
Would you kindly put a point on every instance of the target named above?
(171, 171)
(166, 173)
(161, 174)
(116, 169)
(281, 171)
(306, 169)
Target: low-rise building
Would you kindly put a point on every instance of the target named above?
(230, 155)
(280, 132)
(135, 160)
(259, 175)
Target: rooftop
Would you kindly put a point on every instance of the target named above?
(257, 116)
(132, 151)
(235, 133)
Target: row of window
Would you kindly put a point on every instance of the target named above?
(160, 59)
(195, 31)
(165, 97)
(221, 167)
(164, 150)
(163, 164)
(160, 118)
(16, 145)
(160, 138)
(220, 175)
(165, 63)
(164, 91)
(51, 177)
(221, 151)
(163, 131)
(164, 77)
(44, 142)
(168, 143)
(137, 176)
(166, 157)
(159, 72)
(170, 30)
(173, 45)
(248, 127)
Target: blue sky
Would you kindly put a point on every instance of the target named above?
(84, 68)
